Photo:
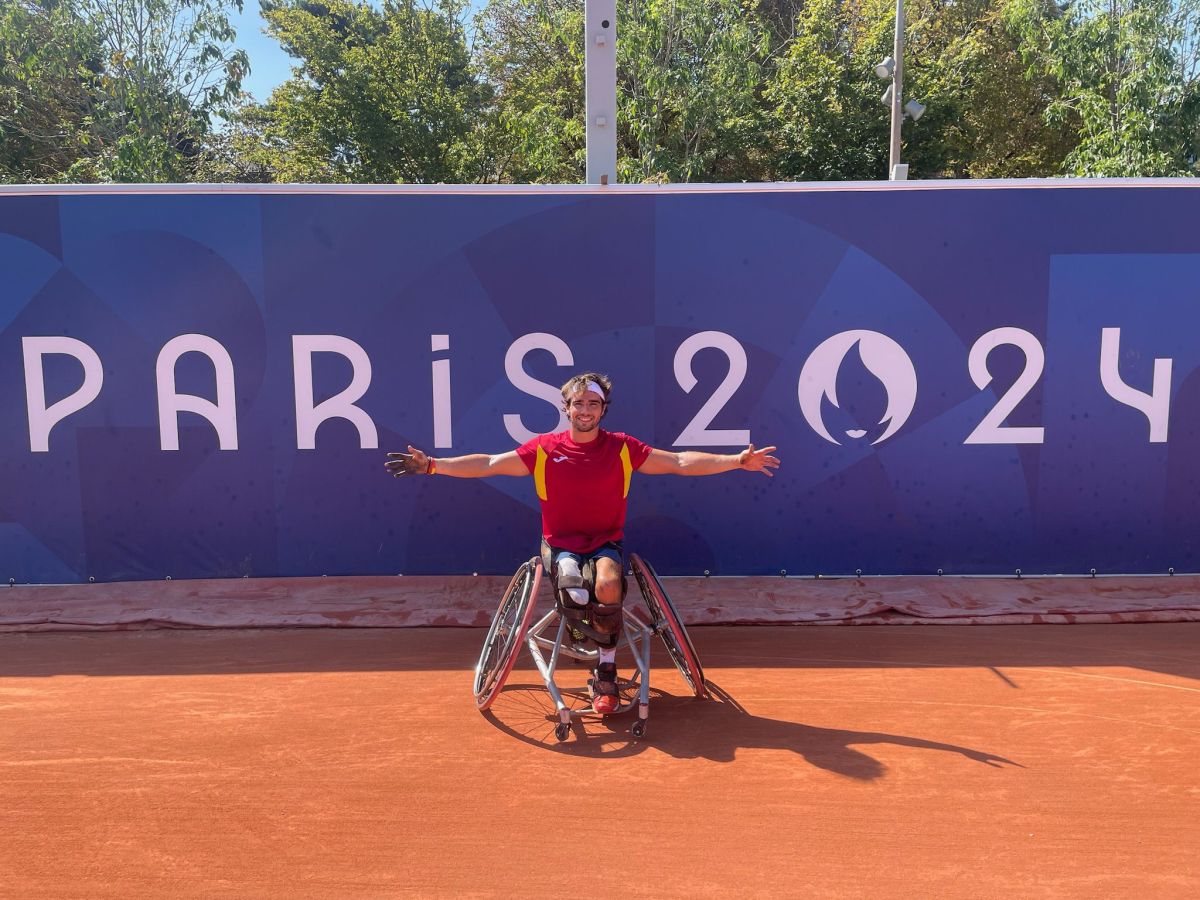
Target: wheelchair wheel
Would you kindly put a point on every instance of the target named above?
(504, 637)
(669, 626)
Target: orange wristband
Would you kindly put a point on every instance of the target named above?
(432, 469)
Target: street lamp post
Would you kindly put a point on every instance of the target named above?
(897, 98)
(893, 67)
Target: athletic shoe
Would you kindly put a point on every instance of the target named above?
(605, 698)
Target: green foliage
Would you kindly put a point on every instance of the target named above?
(237, 152)
(708, 90)
(112, 90)
(49, 60)
(531, 51)
(984, 110)
(689, 74)
(824, 99)
(379, 95)
(1126, 72)
(168, 66)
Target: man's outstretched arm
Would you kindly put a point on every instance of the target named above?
(696, 462)
(475, 465)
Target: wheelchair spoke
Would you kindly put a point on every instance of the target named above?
(668, 626)
(503, 642)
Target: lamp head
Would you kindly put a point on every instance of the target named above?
(885, 67)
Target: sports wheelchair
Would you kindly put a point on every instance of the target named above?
(560, 636)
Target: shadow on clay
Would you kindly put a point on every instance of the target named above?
(715, 729)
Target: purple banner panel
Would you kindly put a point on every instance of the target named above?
(960, 377)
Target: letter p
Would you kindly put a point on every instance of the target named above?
(42, 418)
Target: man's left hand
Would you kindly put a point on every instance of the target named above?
(758, 460)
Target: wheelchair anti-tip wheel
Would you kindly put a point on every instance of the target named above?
(669, 626)
(507, 632)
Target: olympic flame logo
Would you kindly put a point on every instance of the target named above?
(882, 357)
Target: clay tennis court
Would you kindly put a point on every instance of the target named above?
(878, 761)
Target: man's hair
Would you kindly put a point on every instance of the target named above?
(579, 383)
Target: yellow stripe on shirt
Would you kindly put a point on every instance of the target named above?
(539, 474)
(626, 466)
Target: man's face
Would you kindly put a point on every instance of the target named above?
(584, 411)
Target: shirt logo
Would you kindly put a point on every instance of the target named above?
(558, 458)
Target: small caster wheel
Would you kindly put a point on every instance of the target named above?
(639, 728)
(562, 730)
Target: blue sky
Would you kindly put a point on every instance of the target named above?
(269, 65)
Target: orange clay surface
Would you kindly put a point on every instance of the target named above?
(983, 762)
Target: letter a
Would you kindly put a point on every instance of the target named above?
(222, 414)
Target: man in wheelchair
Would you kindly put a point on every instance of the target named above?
(582, 477)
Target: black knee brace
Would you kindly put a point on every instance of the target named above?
(599, 622)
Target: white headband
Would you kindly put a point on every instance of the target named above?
(590, 385)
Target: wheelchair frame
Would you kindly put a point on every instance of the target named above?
(552, 634)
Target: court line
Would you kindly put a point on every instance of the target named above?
(916, 664)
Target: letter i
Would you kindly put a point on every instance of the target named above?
(443, 436)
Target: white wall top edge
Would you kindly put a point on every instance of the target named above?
(590, 189)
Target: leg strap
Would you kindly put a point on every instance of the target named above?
(564, 581)
(606, 621)
(561, 582)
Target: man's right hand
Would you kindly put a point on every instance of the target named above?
(414, 462)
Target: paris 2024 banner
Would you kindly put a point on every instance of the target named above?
(973, 378)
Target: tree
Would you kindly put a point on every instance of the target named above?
(1126, 72)
(49, 63)
(168, 66)
(112, 90)
(531, 52)
(824, 100)
(985, 113)
(238, 152)
(380, 95)
(984, 110)
(689, 74)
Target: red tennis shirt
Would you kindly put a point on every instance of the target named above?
(583, 487)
